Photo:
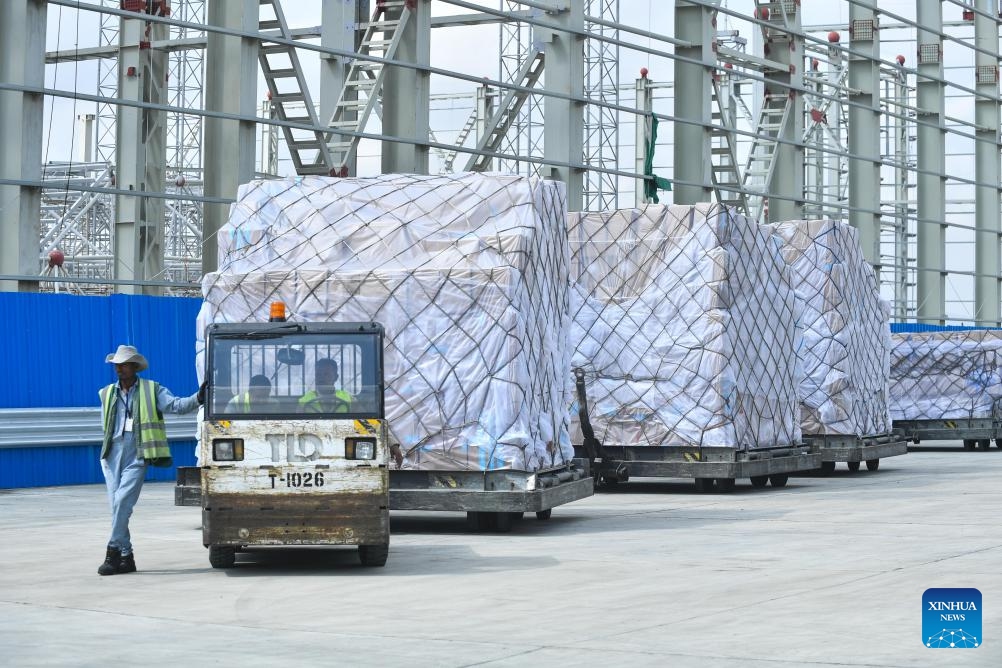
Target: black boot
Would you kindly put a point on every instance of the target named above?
(128, 563)
(112, 559)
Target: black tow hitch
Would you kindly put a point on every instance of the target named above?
(602, 468)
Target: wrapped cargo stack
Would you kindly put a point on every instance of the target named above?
(845, 350)
(946, 374)
(684, 324)
(468, 275)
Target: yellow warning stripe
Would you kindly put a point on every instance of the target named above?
(691, 456)
(367, 426)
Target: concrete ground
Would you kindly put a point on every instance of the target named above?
(825, 572)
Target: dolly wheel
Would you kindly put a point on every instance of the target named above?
(479, 521)
(998, 443)
(725, 485)
(853, 466)
(222, 556)
(704, 484)
(872, 464)
(984, 443)
(373, 555)
(827, 468)
(503, 521)
(759, 481)
(544, 514)
(969, 443)
(779, 480)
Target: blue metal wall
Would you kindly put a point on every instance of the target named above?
(55, 356)
(74, 465)
(57, 345)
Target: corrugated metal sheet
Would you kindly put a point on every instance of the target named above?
(57, 344)
(74, 465)
(43, 427)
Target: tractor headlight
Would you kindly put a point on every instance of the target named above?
(228, 449)
(359, 448)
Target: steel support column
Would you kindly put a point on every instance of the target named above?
(864, 131)
(231, 86)
(693, 104)
(901, 133)
(140, 156)
(931, 177)
(787, 181)
(405, 96)
(563, 120)
(22, 62)
(986, 167)
(645, 104)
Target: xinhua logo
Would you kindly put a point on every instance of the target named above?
(951, 618)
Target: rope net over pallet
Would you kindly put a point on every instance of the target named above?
(684, 322)
(943, 375)
(844, 353)
(468, 275)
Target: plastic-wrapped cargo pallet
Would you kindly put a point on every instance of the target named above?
(845, 351)
(468, 275)
(948, 374)
(684, 324)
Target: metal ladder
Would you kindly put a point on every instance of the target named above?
(727, 182)
(758, 170)
(471, 122)
(507, 112)
(289, 94)
(360, 95)
(773, 115)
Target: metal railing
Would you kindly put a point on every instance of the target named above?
(41, 427)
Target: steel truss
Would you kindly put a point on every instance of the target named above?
(754, 115)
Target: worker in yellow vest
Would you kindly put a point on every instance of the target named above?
(326, 398)
(134, 436)
(254, 400)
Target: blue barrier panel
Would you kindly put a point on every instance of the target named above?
(74, 465)
(54, 357)
(57, 345)
(917, 328)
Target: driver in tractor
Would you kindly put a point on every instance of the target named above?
(326, 398)
(253, 399)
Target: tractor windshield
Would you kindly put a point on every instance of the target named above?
(296, 374)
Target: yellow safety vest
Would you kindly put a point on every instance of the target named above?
(311, 402)
(148, 422)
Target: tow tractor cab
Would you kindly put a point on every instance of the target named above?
(293, 445)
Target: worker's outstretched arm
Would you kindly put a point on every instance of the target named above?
(168, 403)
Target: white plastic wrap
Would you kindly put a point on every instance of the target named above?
(468, 275)
(683, 321)
(948, 374)
(845, 349)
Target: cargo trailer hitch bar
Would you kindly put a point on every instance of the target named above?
(602, 467)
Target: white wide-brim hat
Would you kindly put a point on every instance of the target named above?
(127, 354)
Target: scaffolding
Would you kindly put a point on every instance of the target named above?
(769, 115)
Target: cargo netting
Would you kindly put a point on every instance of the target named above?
(684, 323)
(946, 375)
(844, 352)
(468, 274)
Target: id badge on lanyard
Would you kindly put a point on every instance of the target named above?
(128, 415)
